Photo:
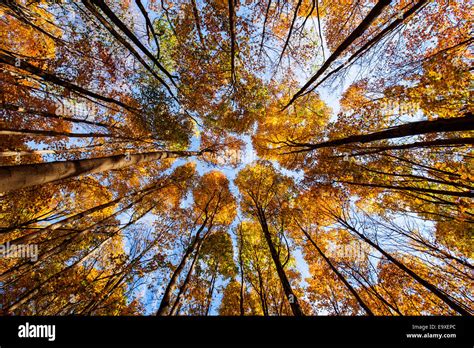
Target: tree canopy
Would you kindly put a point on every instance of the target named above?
(226, 157)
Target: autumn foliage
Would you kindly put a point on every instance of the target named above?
(226, 157)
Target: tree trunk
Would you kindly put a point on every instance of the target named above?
(369, 288)
(291, 297)
(25, 66)
(16, 108)
(442, 296)
(172, 284)
(211, 290)
(377, 38)
(441, 125)
(52, 133)
(261, 293)
(185, 284)
(339, 275)
(359, 31)
(26, 175)
(469, 193)
(241, 266)
(150, 27)
(419, 144)
(116, 21)
(197, 21)
(124, 42)
(21, 267)
(29, 294)
(54, 226)
(232, 40)
(290, 31)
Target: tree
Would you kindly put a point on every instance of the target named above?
(226, 157)
(214, 206)
(265, 193)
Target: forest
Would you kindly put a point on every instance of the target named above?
(236, 158)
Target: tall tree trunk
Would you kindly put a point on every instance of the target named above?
(232, 40)
(469, 193)
(125, 43)
(184, 286)
(264, 26)
(441, 295)
(54, 226)
(52, 133)
(418, 144)
(197, 21)
(211, 290)
(172, 284)
(441, 125)
(358, 32)
(16, 108)
(116, 21)
(377, 38)
(26, 175)
(29, 294)
(21, 267)
(114, 282)
(261, 293)
(335, 270)
(290, 31)
(291, 297)
(150, 27)
(196, 246)
(241, 266)
(371, 289)
(10, 59)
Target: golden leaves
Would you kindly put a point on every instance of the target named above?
(24, 39)
(213, 199)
